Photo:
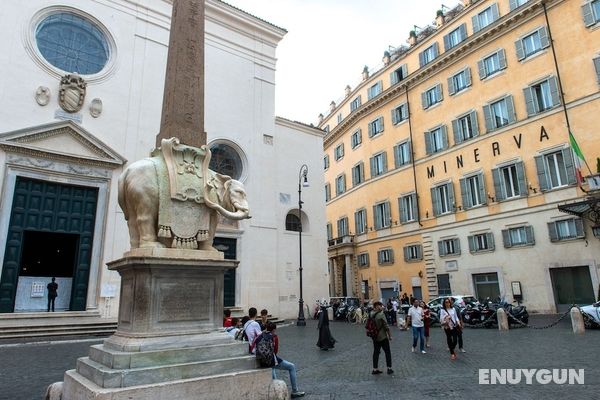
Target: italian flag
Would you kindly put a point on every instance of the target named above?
(578, 160)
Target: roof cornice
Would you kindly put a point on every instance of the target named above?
(515, 18)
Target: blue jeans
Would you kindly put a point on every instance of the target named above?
(419, 332)
(291, 368)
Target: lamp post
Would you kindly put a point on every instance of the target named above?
(302, 181)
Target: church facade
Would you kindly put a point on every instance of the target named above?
(81, 99)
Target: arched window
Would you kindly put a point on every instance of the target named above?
(292, 222)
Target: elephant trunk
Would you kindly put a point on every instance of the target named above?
(239, 213)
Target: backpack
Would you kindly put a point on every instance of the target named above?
(265, 349)
(371, 327)
(241, 335)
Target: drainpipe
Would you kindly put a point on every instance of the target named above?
(412, 157)
(560, 86)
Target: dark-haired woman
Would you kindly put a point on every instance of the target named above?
(451, 323)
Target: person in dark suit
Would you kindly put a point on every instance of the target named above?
(52, 293)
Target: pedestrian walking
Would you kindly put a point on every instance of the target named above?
(415, 315)
(426, 321)
(459, 332)
(382, 340)
(394, 311)
(451, 323)
(326, 340)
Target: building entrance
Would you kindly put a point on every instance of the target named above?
(572, 285)
(50, 234)
(229, 248)
(46, 255)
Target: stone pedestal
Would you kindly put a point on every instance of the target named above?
(169, 343)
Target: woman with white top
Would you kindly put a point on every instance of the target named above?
(451, 324)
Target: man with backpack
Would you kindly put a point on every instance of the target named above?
(379, 331)
(266, 347)
(251, 328)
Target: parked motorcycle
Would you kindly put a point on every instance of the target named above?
(515, 313)
(479, 314)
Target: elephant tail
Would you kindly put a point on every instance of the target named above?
(121, 194)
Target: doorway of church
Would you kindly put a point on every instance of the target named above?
(50, 234)
(46, 255)
(229, 247)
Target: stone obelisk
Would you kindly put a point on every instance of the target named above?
(183, 98)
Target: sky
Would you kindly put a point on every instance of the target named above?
(330, 41)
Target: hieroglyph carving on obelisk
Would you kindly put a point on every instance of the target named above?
(183, 98)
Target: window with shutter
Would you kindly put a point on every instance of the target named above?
(401, 154)
(555, 169)
(591, 12)
(408, 208)
(597, 68)
(360, 221)
(485, 18)
(356, 139)
(327, 192)
(532, 43)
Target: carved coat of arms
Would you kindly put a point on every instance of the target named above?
(72, 93)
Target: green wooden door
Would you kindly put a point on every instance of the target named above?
(229, 248)
(49, 207)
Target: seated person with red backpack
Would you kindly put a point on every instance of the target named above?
(266, 346)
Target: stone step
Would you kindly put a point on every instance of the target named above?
(43, 324)
(118, 378)
(122, 360)
(104, 331)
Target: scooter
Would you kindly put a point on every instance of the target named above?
(516, 314)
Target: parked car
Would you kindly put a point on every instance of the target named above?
(461, 300)
(591, 315)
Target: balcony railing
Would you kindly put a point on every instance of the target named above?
(342, 240)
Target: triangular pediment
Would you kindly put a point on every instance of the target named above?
(65, 140)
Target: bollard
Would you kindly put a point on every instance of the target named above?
(502, 319)
(54, 391)
(577, 321)
(278, 390)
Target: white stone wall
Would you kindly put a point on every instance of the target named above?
(239, 107)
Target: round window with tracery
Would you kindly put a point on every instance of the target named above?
(226, 160)
(72, 43)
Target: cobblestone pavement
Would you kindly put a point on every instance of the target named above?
(345, 372)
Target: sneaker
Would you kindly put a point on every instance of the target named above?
(297, 393)
(462, 350)
(413, 349)
(453, 357)
(423, 352)
(390, 371)
(376, 372)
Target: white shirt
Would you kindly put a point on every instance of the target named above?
(449, 316)
(252, 329)
(416, 316)
(394, 305)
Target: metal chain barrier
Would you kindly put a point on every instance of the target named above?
(483, 323)
(518, 321)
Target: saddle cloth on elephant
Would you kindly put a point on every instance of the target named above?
(182, 215)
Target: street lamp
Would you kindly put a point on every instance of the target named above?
(302, 181)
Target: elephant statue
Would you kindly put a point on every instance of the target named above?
(177, 205)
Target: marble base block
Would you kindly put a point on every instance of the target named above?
(169, 342)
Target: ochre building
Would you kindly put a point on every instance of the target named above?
(450, 170)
